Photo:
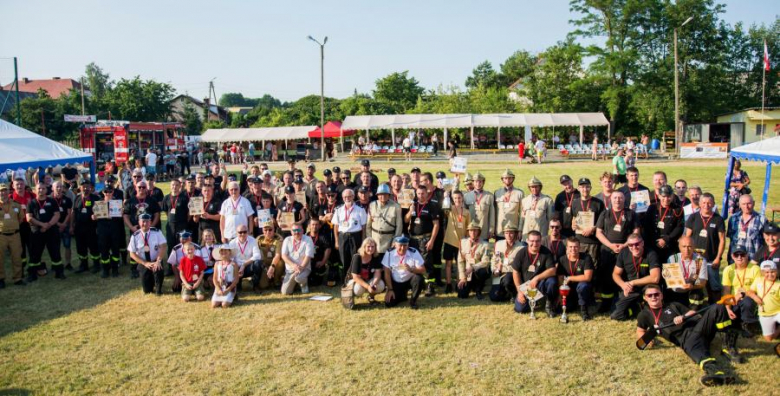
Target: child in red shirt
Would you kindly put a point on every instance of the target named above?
(191, 269)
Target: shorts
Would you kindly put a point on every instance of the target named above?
(170, 168)
(151, 170)
(450, 252)
(65, 236)
(769, 324)
(407, 150)
(198, 291)
(620, 179)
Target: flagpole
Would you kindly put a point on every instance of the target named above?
(763, 91)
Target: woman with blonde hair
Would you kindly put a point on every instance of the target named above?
(208, 242)
(366, 271)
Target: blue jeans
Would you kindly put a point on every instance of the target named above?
(548, 287)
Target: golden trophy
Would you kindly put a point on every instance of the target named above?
(531, 293)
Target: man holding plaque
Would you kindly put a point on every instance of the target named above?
(632, 187)
(385, 220)
(482, 206)
(473, 263)
(110, 233)
(537, 208)
(585, 211)
(291, 212)
(404, 269)
(534, 265)
(84, 227)
(708, 231)
(693, 271)
(635, 267)
(576, 268)
(564, 202)
(139, 204)
(504, 255)
(508, 204)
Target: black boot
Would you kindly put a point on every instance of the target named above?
(134, 271)
(104, 275)
(2, 283)
(730, 347)
(114, 270)
(429, 291)
(68, 267)
(713, 376)
(95, 266)
(32, 275)
(59, 272)
(480, 296)
(584, 312)
(549, 309)
(83, 267)
(448, 288)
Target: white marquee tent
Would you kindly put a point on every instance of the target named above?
(257, 134)
(445, 121)
(22, 149)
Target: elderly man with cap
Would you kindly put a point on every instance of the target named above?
(175, 256)
(147, 247)
(589, 206)
(235, 211)
(385, 219)
(745, 226)
(473, 263)
(537, 209)
(482, 206)
(84, 227)
(534, 265)
(664, 223)
(563, 204)
(365, 166)
(297, 253)
(10, 239)
(270, 245)
(771, 249)
(110, 232)
(508, 204)
(349, 221)
(504, 254)
(404, 270)
(468, 183)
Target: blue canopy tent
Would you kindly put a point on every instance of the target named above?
(22, 149)
(767, 150)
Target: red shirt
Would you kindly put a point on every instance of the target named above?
(23, 200)
(195, 267)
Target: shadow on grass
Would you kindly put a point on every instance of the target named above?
(14, 391)
(23, 307)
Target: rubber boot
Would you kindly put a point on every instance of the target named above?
(96, 266)
(105, 275)
(448, 288)
(59, 272)
(584, 312)
(32, 275)
(134, 271)
(730, 347)
(429, 291)
(713, 376)
(114, 269)
(549, 309)
(83, 267)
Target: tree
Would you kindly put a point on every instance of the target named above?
(97, 81)
(518, 65)
(137, 100)
(399, 91)
(191, 120)
(483, 75)
(45, 115)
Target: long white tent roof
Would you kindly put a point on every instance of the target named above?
(21, 148)
(440, 121)
(257, 134)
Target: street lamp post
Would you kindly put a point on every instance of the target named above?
(677, 137)
(322, 93)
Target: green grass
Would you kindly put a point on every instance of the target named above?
(86, 335)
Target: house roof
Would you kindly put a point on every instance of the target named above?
(56, 86)
(217, 110)
(749, 109)
(8, 99)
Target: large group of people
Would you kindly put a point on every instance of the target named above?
(299, 228)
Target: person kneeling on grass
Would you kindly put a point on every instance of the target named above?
(297, 252)
(473, 263)
(191, 268)
(366, 271)
(225, 277)
(765, 291)
(693, 336)
(404, 270)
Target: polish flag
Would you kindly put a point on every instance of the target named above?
(766, 57)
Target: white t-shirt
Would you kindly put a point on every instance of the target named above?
(151, 159)
(246, 252)
(153, 239)
(407, 143)
(392, 260)
(539, 145)
(297, 251)
(350, 220)
(236, 213)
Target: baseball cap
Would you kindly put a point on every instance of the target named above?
(441, 175)
(565, 179)
(391, 171)
(365, 162)
(402, 239)
(771, 228)
(311, 165)
(363, 189)
(665, 191)
(332, 190)
(583, 181)
(185, 234)
(415, 169)
(327, 172)
(768, 265)
(144, 216)
(289, 190)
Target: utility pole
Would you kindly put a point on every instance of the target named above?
(213, 92)
(677, 136)
(16, 83)
(322, 93)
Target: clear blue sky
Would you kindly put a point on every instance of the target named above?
(259, 47)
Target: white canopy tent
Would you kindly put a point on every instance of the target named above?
(24, 149)
(445, 121)
(257, 134)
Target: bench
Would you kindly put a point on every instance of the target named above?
(388, 156)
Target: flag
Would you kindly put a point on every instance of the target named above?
(766, 57)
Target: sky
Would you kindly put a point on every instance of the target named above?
(260, 47)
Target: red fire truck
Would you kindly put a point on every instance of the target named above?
(119, 140)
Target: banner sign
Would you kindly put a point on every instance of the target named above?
(80, 118)
(704, 150)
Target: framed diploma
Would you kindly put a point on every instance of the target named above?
(406, 198)
(196, 206)
(115, 208)
(672, 274)
(641, 199)
(584, 221)
(100, 209)
(286, 220)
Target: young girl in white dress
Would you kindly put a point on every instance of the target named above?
(225, 277)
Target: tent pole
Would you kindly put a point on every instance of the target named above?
(582, 130)
(392, 136)
(498, 138)
(445, 139)
(729, 170)
(472, 137)
(766, 187)
(341, 139)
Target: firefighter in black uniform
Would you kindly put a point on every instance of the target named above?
(664, 224)
(176, 206)
(110, 235)
(43, 215)
(139, 204)
(212, 203)
(424, 217)
(192, 191)
(83, 227)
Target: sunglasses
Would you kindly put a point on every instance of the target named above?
(739, 254)
(141, 188)
(296, 230)
(653, 295)
(138, 177)
(268, 229)
(344, 178)
(555, 227)
(634, 245)
(242, 232)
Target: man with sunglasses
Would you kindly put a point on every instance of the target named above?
(297, 253)
(555, 240)
(138, 204)
(693, 336)
(346, 183)
(111, 233)
(635, 267)
(248, 257)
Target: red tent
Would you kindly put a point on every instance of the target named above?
(332, 130)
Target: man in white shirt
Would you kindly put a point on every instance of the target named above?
(146, 247)
(349, 222)
(151, 162)
(248, 257)
(297, 252)
(404, 271)
(236, 211)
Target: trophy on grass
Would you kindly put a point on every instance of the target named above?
(564, 290)
(531, 293)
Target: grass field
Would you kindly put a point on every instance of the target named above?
(86, 335)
